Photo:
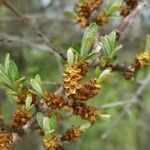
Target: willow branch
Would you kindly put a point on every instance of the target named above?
(6, 39)
(115, 104)
(32, 26)
(7, 128)
(35, 17)
(142, 4)
(134, 100)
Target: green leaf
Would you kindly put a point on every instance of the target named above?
(115, 51)
(115, 16)
(28, 101)
(13, 72)
(112, 38)
(105, 45)
(113, 7)
(19, 81)
(9, 73)
(85, 126)
(46, 124)
(114, 57)
(7, 61)
(39, 118)
(92, 56)
(109, 44)
(147, 45)
(76, 58)
(38, 78)
(4, 77)
(76, 52)
(76, 48)
(53, 122)
(69, 14)
(88, 39)
(104, 75)
(97, 71)
(37, 87)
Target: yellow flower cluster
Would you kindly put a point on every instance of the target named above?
(72, 75)
(73, 134)
(86, 112)
(143, 59)
(51, 144)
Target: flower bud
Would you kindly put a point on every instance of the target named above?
(70, 56)
(104, 75)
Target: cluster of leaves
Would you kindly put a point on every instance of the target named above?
(108, 44)
(110, 48)
(83, 53)
(9, 74)
(10, 77)
(48, 125)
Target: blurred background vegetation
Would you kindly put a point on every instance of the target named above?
(132, 131)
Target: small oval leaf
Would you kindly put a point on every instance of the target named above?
(39, 118)
(46, 124)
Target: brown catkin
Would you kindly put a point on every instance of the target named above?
(125, 10)
(22, 97)
(101, 18)
(141, 60)
(86, 112)
(132, 3)
(73, 134)
(129, 73)
(87, 91)
(53, 101)
(84, 11)
(128, 6)
(83, 21)
(6, 140)
(94, 4)
(20, 118)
